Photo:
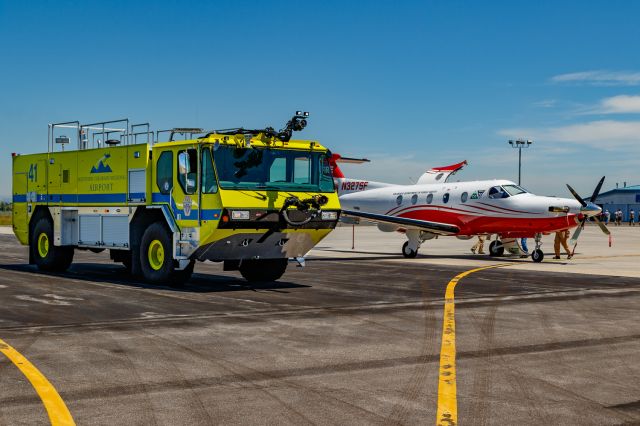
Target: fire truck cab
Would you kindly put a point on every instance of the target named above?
(249, 198)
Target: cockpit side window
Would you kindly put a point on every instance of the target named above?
(497, 192)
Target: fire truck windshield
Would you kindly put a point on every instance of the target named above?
(273, 169)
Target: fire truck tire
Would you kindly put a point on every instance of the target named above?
(254, 270)
(179, 278)
(156, 260)
(47, 256)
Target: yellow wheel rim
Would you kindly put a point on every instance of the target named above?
(43, 245)
(156, 255)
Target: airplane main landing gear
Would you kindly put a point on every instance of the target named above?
(537, 255)
(408, 252)
(410, 248)
(496, 248)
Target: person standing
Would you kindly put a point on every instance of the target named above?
(607, 217)
(561, 239)
(632, 218)
(479, 245)
(618, 217)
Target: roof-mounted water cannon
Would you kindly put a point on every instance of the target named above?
(296, 124)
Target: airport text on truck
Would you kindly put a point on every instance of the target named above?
(249, 198)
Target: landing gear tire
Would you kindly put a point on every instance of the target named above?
(496, 248)
(266, 270)
(537, 255)
(407, 252)
(156, 259)
(47, 256)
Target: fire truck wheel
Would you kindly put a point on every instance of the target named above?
(179, 278)
(254, 270)
(156, 258)
(47, 256)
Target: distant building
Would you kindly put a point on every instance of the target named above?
(625, 199)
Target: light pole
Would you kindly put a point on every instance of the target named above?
(519, 144)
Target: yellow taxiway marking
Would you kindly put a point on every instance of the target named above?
(447, 391)
(58, 412)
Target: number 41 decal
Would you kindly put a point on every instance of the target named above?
(33, 173)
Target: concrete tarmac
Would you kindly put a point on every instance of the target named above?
(352, 338)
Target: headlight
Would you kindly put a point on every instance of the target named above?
(329, 215)
(240, 214)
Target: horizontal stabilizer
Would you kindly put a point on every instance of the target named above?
(440, 174)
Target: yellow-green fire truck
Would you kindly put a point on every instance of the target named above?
(249, 198)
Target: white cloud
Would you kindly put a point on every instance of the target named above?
(622, 104)
(600, 78)
(546, 103)
(603, 134)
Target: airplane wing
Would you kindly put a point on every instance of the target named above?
(434, 227)
(440, 174)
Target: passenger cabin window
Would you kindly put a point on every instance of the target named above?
(209, 183)
(399, 200)
(414, 198)
(445, 198)
(429, 198)
(464, 197)
(188, 170)
(497, 192)
(164, 175)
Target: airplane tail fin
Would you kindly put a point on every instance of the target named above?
(346, 185)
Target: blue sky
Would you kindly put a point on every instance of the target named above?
(409, 85)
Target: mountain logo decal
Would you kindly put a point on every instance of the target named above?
(101, 166)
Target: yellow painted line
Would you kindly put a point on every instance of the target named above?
(58, 412)
(447, 392)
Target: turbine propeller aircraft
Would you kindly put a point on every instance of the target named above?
(434, 206)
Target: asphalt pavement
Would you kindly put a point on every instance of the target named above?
(349, 339)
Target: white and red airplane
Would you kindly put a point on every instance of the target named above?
(435, 206)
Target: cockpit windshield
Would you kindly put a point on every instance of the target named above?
(514, 189)
(273, 169)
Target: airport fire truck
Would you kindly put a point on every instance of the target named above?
(249, 198)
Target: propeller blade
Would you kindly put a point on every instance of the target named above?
(576, 196)
(597, 190)
(574, 237)
(602, 226)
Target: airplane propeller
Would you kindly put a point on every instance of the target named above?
(588, 209)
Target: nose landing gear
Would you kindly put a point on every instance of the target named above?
(537, 255)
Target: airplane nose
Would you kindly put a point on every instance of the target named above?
(591, 209)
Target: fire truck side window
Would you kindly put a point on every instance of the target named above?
(209, 184)
(188, 170)
(164, 175)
